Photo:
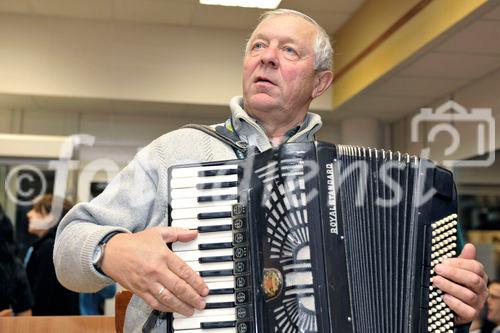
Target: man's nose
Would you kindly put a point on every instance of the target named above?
(270, 56)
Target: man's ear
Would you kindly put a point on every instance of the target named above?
(322, 82)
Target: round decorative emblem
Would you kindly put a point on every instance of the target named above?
(272, 283)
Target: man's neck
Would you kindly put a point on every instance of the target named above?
(277, 124)
(276, 141)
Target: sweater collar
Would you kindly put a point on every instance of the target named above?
(249, 130)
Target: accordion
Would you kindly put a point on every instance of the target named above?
(314, 237)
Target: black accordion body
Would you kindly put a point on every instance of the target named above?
(314, 237)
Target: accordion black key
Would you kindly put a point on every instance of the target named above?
(314, 237)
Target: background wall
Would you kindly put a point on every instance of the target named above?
(481, 181)
(482, 93)
(125, 83)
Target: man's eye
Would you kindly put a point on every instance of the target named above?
(290, 53)
(258, 46)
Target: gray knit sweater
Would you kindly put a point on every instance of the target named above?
(137, 199)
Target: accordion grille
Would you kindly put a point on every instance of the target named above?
(388, 262)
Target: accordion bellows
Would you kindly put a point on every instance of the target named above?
(314, 237)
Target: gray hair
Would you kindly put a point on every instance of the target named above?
(323, 52)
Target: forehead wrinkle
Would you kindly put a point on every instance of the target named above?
(305, 48)
(284, 39)
(306, 45)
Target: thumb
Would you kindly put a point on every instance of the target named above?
(468, 252)
(171, 234)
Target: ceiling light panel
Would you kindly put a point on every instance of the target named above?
(267, 4)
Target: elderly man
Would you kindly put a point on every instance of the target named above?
(121, 235)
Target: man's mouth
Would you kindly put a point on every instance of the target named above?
(262, 79)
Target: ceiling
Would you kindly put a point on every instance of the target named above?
(462, 55)
(100, 105)
(331, 14)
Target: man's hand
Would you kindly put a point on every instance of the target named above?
(464, 282)
(143, 264)
(6, 313)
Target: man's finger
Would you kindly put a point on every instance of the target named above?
(466, 264)
(167, 299)
(187, 274)
(468, 252)
(171, 234)
(465, 312)
(154, 303)
(183, 291)
(463, 294)
(462, 276)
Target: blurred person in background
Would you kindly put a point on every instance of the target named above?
(481, 324)
(494, 305)
(50, 297)
(15, 292)
(92, 304)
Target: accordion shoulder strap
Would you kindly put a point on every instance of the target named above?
(222, 134)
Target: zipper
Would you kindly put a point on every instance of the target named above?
(305, 130)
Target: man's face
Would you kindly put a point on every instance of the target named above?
(494, 303)
(278, 69)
